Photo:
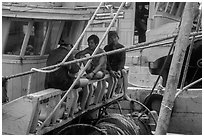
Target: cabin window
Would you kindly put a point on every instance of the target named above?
(172, 8)
(169, 7)
(54, 32)
(17, 32)
(36, 39)
(15, 37)
(162, 6)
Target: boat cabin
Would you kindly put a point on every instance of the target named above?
(30, 31)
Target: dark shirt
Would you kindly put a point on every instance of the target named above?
(141, 20)
(142, 14)
(60, 79)
(4, 90)
(115, 61)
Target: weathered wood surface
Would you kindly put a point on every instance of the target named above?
(17, 116)
(187, 110)
(186, 116)
(13, 65)
(175, 69)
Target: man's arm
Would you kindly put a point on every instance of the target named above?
(72, 68)
(81, 53)
(122, 60)
(108, 67)
(102, 60)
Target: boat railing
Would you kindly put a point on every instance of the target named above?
(89, 96)
(54, 96)
(86, 66)
(53, 100)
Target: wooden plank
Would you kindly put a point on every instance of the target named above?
(6, 71)
(26, 67)
(16, 119)
(186, 123)
(26, 38)
(46, 38)
(44, 94)
(71, 102)
(5, 31)
(189, 101)
(45, 13)
(40, 76)
(102, 92)
(17, 82)
(76, 30)
(180, 9)
(173, 7)
(166, 6)
(75, 106)
(85, 95)
(59, 33)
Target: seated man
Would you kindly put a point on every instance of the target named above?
(115, 62)
(97, 67)
(96, 70)
(65, 75)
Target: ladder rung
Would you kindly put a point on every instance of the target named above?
(108, 17)
(108, 14)
(92, 7)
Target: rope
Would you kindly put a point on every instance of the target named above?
(43, 71)
(161, 44)
(146, 109)
(188, 86)
(86, 66)
(170, 50)
(190, 52)
(37, 70)
(74, 47)
(82, 34)
(135, 47)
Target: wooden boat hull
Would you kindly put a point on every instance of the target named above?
(186, 116)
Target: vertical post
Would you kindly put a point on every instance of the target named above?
(46, 38)
(59, 33)
(82, 71)
(26, 38)
(6, 23)
(82, 34)
(175, 69)
(190, 51)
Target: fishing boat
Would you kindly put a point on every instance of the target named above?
(31, 29)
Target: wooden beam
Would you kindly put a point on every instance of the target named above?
(173, 7)
(26, 38)
(86, 66)
(139, 46)
(59, 33)
(46, 38)
(175, 69)
(44, 13)
(6, 22)
(167, 5)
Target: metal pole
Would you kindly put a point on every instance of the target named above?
(188, 86)
(82, 34)
(88, 63)
(190, 52)
(135, 47)
(175, 69)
